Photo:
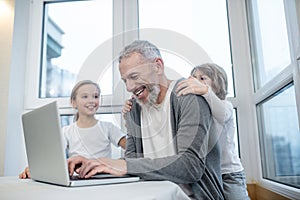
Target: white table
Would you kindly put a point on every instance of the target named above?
(13, 188)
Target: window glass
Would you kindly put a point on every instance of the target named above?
(270, 39)
(280, 137)
(72, 31)
(204, 22)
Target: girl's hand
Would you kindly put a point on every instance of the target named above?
(191, 86)
(25, 174)
(127, 107)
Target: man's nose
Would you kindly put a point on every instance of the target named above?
(130, 85)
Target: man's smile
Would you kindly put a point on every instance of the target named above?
(139, 91)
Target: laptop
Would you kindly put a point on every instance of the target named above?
(46, 154)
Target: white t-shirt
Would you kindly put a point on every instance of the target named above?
(93, 142)
(156, 128)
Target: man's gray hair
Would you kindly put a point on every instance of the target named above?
(143, 47)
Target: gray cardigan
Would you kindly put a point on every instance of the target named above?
(197, 161)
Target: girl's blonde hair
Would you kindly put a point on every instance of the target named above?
(75, 90)
(219, 83)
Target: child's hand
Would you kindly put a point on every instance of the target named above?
(191, 86)
(25, 174)
(127, 107)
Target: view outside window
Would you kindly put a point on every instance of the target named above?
(271, 45)
(204, 22)
(72, 31)
(280, 137)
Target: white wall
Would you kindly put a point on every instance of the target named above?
(6, 32)
(12, 79)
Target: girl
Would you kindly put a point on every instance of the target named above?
(210, 81)
(88, 136)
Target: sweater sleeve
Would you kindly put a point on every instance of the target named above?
(220, 109)
(191, 132)
(134, 147)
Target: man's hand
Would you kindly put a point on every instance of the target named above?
(75, 163)
(89, 168)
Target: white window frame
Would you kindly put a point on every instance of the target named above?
(125, 18)
(244, 87)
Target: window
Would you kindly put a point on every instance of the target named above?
(276, 88)
(200, 30)
(72, 31)
(280, 137)
(75, 41)
(189, 38)
(272, 51)
(71, 37)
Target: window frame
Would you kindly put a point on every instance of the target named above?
(109, 103)
(285, 77)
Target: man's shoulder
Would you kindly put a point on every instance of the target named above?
(178, 81)
(188, 96)
(187, 99)
(188, 102)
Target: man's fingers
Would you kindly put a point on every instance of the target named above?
(70, 168)
(94, 171)
(88, 167)
(71, 165)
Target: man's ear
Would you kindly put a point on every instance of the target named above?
(159, 65)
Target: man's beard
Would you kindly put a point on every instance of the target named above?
(152, 97)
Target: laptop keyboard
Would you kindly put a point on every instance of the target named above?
(97, 176)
